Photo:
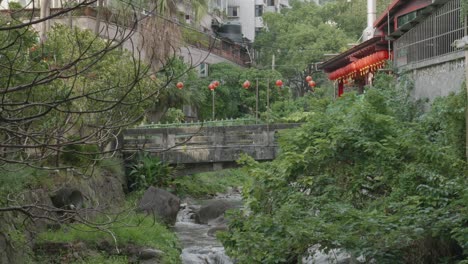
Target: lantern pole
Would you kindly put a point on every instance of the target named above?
(268, 111)
(256, 102)
(268, 94)
(213, 103)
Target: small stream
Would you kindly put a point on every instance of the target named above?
(198, 246)
(201, 248)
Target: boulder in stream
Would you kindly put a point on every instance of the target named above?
(161, 204)
(212, 210)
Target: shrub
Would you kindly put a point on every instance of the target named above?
(79, 154)
(132, 229)
(361, 176)
(209, 183)
(14, 6)
(149, 171)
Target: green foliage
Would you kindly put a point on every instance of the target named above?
(233, 101)
(103, 259)
(113, 165)
(210, 183)
(173, 115)
(361, 175)
(298, 110)
(92, 258)
(15, 179)
(298, 36)
(196, 38)
(445, 123)
(175, 71)
(14, 5)
(79, 154)
(131, 229)
(88, 89)
(149, 171)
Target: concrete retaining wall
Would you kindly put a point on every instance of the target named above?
(436, 77)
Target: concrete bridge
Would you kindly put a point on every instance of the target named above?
(201, 148)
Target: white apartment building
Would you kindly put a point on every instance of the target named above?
(249, 14)
(30, 4)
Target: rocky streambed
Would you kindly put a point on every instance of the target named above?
(197, 224)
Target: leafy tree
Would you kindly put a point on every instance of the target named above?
(65, 97)
(298, 37)
(231, 99)
(351, 16)
(360, 177)
(169, 96)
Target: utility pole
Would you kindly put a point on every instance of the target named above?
(45, 12)
(273, 62)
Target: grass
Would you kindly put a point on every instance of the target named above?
(94, 258)
(103, 259)
(209, 183)
(16, 178)
(135, 229)
(113, 165)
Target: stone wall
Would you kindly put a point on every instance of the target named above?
(436, 77)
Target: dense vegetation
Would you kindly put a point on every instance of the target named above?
(131, 229)
(208, 184)
(367, 173)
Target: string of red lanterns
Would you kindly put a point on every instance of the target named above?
(246, 85)
(361, 67)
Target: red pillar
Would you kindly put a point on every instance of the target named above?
(340, 88)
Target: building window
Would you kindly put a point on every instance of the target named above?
(405, 19)
(270, 2)
(233, 11)
(203, 70)
(258, 10)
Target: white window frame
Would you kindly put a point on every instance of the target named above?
(232, 10)
(203, 69)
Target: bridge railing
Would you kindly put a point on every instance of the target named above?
(209, 123)
(205, 144)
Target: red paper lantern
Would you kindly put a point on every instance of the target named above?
(216, 84)
(211, 86)
(279, 83)
(246, 85)
(180, 85)
(309, 78)
(312, 84)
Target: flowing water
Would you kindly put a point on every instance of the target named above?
(198, 246)
(201, 248)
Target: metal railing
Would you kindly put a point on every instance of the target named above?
(431, 38)
(211, 123)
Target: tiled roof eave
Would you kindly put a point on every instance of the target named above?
(360, 50)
